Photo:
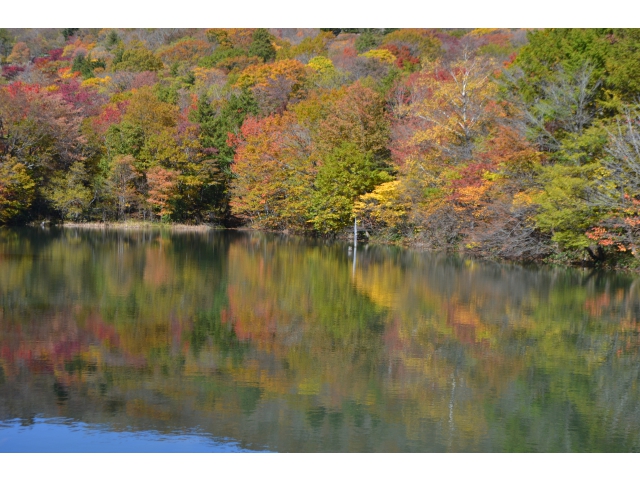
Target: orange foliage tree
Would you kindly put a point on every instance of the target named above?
(162, 183)
(273, 172)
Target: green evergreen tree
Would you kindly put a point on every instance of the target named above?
(83, 65)
(6, 42)
(67, 33)
(215, 127)
(261, 45)
(367, 41)
(112, 39)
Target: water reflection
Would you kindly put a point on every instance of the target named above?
(295, 345)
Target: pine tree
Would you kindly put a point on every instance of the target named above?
(261, 45)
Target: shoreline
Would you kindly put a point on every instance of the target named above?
(177, 227)
(138, 226)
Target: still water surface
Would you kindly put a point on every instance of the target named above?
(235, 341)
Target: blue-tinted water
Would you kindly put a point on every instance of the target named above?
(57, 435)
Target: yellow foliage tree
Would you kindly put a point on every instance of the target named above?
(383, 55)
(458, 106)
(152, 115)
(259, 75)
(17, 189)
(321, 64)
(385, 207)
(19, 54)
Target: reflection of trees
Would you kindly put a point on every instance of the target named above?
(275, 341)
(559, 327)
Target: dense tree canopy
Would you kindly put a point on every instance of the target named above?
(521, 145)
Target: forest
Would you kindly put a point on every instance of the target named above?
(501, 143)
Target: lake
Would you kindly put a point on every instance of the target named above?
(228, 341)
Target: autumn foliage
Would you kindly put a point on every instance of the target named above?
(499, 142)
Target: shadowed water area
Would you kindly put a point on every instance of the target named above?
(233, 341)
